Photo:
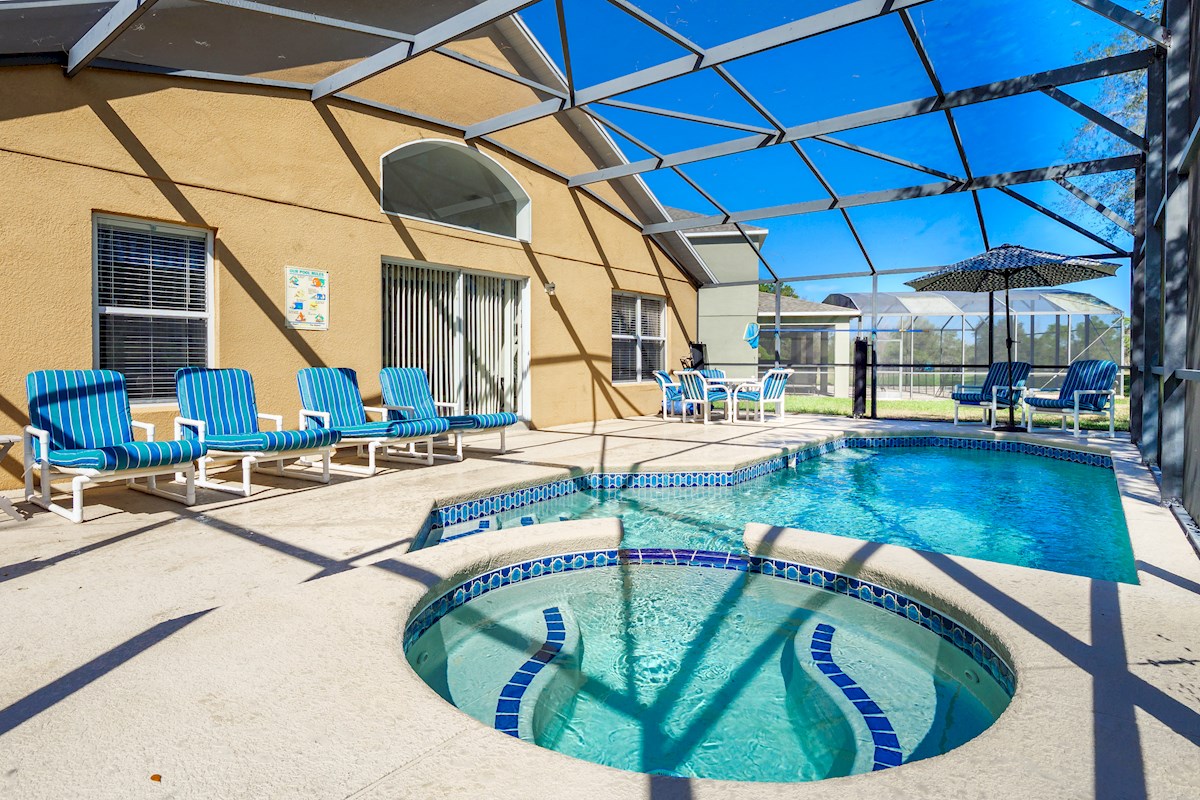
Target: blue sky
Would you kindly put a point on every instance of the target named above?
(970, 42)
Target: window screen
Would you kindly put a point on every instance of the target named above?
(638, 338)
(153, 314)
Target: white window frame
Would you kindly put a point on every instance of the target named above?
(524, 216)
(209, 314)
(643, 376)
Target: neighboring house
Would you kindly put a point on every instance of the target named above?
(150, 220)
(814, 340)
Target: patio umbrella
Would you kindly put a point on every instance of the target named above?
(1007, 267)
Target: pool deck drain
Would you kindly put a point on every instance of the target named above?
(250, 648)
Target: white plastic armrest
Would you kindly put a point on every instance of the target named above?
(380, 410)
(413, 409)
(276, 418)
(43, 440)
(753, 385)
(307, 415)
(146, 426)
(194, 424)
(451, 406)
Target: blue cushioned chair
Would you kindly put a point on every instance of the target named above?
(80, 425)
(330, 399)
(712, 374)
(699, 392)
(993, 393)
(406, 396)
(218, 408)
(1086, 389)
(672, 394)
(768, 391)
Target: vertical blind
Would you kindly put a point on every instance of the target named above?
(464, 329)
(638, 337)
(152, 301)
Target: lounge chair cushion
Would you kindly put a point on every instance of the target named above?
(977, 398)
(223, 399)
(1090, 374)
(81, 409)
(334, 391)
(273, 441)
(129, 455)
(479, 422)
(407, 386)
(396, 429)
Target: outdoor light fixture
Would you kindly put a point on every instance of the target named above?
(550, 289)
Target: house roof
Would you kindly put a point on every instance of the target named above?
(799, 307)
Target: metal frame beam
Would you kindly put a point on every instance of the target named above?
(1147, 29)
(1095, 117)
(106, 30)
(909, 193)
(666, 112)
(834, 19)
(429, 39)
(900, 162)
(1061, 220)
(1113, 65)
(1092, 202)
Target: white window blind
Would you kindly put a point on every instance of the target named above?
(638, 337)
(153, 311)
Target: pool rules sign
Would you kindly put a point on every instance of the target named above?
(306, 306)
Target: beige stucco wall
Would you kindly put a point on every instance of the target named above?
(282, 181)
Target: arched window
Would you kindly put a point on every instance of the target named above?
(452, 184)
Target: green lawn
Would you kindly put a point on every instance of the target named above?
(942, 410)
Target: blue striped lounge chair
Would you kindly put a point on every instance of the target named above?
(760, 394)
(80, 425)
(218, 408)
(672, 393)
(1087, 388)
(992, 394)
(407, 397)
(330, 398)
(701, 393)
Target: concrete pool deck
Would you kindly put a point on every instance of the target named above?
(250, 647)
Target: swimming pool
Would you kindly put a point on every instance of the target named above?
(726, 667)
(1013, 508)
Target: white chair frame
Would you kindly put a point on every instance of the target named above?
(995, 407)
(778, 402)
(1076, 411)
(249, 460)
(82, 479)
(453, 433)
(686, 402)
(379, 448)
(663, 388)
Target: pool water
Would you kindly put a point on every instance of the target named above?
(1007, 507)
(710, 673)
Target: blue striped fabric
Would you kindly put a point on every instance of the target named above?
(223, 399)
(129, 455)
(997, 375)
(409, 386)
(81, 408)
(396, 429)
(774, 384)
(665, 383)
(480, 422)
(713, 374)
(273, 441)
(694, 388)
(1082, 375)
(334, 391)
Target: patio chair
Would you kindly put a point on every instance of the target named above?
(712, 374)
(81, 426)
(217, 407)
(700, 392)
(672, 393)
(768, 391)
(1086, 389)
(330, 399)
(992, 394)
(407, 397)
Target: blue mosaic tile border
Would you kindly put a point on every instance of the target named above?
(469, 510)
(883, 735)
(508, 705)
(879, 596)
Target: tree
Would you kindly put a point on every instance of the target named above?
(769, 288)
(1123, 99)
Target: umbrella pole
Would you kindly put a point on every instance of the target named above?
(1009, 343)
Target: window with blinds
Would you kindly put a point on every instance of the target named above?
(153, 310)
(638, 337)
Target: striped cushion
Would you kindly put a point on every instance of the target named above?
(978, 398)
(482, 421)
(670, 389)
(694, 388)
(129, 455)
(334, 391)
(749, 395)
(396, 429)
(775, 383)
(407, 386)
(273, 441)
(1084, 375)
(223, 399)
(713, 374)
(997, 375)
(81, 409)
